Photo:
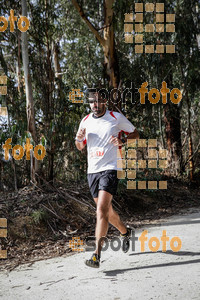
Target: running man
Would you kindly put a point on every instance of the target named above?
(101, 130)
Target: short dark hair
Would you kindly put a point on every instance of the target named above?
(93, 91)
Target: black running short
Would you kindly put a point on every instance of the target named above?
(105, 180)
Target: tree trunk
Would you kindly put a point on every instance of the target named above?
(110, 58)
(111, 67)
(173, 135)
(29, 94)
(55, 48)
(190, 143)
(50, 99)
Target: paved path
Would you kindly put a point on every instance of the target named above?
(134, 275)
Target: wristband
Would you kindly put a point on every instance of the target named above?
(79, 140)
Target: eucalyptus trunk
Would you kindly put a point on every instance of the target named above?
(29, 95)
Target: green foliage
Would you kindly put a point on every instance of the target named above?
(39, 216)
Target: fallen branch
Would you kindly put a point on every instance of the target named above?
(53, 212)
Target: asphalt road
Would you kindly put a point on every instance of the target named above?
(134, 275)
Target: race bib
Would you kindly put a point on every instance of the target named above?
(96, 152)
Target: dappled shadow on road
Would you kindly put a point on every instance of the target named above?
(179, 253)
(181, 223)
(121, 271)
(183, 220)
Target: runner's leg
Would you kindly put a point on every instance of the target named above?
(103, 204)
(114, 218)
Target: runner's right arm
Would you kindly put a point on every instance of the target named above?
(80, 139)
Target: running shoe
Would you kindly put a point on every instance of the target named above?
(126, 240)
(94, 262)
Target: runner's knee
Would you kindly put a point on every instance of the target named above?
(102, 212)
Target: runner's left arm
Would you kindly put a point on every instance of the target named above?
(128, 128)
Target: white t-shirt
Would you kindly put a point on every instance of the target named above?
(102, 155)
